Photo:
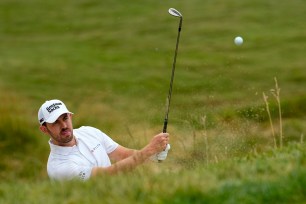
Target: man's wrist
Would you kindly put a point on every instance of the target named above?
(140, 156)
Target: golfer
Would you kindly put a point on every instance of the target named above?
(87, 152)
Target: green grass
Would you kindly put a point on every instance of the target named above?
(272, 177)
(111, 63)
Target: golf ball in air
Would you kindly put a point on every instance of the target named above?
(238, 40)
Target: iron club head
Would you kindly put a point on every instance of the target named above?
(174, 12)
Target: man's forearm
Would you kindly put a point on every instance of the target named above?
(124, 165)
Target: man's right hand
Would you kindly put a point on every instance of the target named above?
(157, 144)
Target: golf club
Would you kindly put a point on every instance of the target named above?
(174, 13)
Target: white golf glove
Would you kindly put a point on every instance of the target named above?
(161, 156)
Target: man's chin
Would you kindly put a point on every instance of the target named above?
(67, 139)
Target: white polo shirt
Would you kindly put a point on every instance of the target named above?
(92, 149)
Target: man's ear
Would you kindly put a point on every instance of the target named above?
(43, 129)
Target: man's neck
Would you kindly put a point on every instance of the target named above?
(71, 143)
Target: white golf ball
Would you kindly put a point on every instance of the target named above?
(238, 40)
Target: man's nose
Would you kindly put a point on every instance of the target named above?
(63, 124)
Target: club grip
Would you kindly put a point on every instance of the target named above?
(165, 126)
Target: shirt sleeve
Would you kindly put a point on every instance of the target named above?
(109, 144)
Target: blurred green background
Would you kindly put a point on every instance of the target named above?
(110, 62)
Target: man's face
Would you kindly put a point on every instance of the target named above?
(61, 131)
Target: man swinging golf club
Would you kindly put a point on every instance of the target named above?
(87, 152)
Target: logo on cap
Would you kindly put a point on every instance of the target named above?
(53, 107)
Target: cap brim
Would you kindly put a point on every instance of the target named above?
(56, 115)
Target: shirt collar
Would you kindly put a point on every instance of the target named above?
(61, 149)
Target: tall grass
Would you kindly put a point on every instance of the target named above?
(22, 152)
(265, 97)
(276, 93)
(275, 176)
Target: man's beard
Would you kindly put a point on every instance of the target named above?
(61, 140)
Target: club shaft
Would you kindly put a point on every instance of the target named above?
(172, 78)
